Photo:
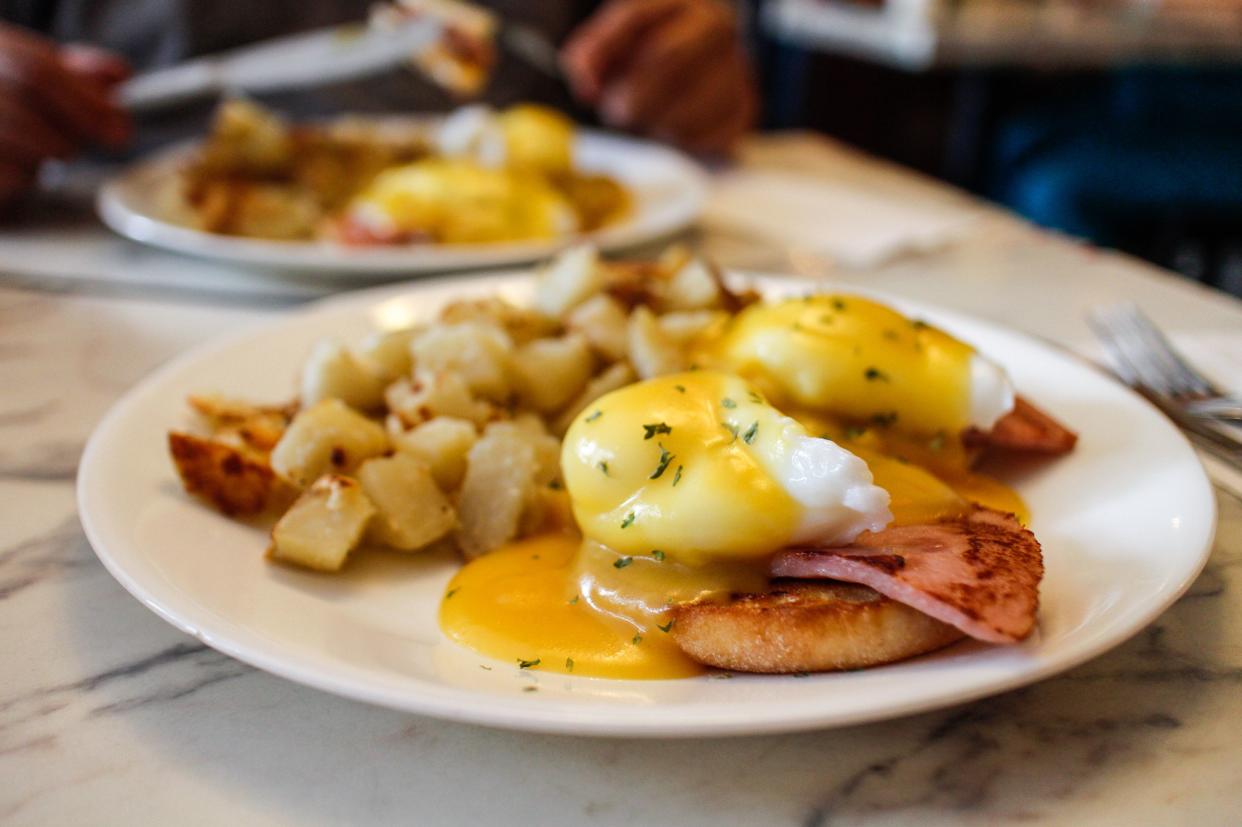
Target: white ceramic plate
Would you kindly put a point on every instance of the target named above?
(668, 189)
(1126, 523)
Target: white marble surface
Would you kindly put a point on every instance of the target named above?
(110, 716)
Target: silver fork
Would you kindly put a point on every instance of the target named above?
(1147, 362)
(1145, 357)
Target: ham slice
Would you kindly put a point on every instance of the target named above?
(1027, 429)
(979, 572)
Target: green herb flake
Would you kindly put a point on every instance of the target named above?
(755, 397)
(555, 485)
(594, 416)
(937, 442)
(662, 464)
(573, 601)
(657, 554)
(874, 374)
(854, 431)
(569, 664)
(628, 521)
(485, 668)
(751, 433)
(656, 428)
(622, 562)
(802, 674)
(731, 428)
(677, 475)
(883, 420)
(919, 324)
(666, 627)
(603, 466)
(451, 592)
(890, 334)
(527, 664)
(838, 304)
(728, 403)
(637, 640)
(680, 388)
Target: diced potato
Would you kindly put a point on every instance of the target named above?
(332, 372)
(615, 376)
(568, 280)
(233, 480)
(521, 323)
(602, 320)
(682, 327)
(500, 474)
(534, 432)
(549, 509)
(475, 351)
(442, 443)
(323, 525)
(550, 372)
(412, 510)
(257, 427)
(432, 394)
(692, 287)
(652, 351)
(388, 352)
(330, 436)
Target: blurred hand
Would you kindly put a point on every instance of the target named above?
(54, 100)
(673, 69)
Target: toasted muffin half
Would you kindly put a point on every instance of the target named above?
(803, 626)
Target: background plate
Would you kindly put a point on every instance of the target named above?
(1126, 523)
(669, 189)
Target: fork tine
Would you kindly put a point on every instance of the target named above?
(1127, 352)
(1186, 380)
(1148, 355)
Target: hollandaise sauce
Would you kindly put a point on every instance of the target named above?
(682, 488)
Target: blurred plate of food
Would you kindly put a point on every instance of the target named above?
(552, 502)
(401, 195)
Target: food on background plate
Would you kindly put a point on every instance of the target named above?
(647, 471)
(477, 176)
(461, 59)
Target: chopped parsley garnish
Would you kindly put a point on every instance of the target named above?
(555, 485)
(937, 442)
(594, 416)
(728, 403)
(656, 428)
(883, 420)
(890, 334)
(657, 554)
(662, 465)
(488, 668)
(838, 304)
(677, 475)
(603, 466)
(622, 562)
(665, 627)
(569, 664)
(451, 592)
(802, 674)
(731, 428)
(755, 397)
(628, 521)
(751, 432)
(875, 375)
(918, 324)
(854, 431)
(573, 601)
(680, 388)
(637, 640)
(527, 664)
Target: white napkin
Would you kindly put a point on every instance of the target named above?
(855, 226)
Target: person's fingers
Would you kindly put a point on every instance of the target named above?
(107, 68)
(27, 137)
(77, 104)
(721, 136)
(711, 96)
(602, 43)
(655, 78)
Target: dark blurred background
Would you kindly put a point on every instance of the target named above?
(1120, 123)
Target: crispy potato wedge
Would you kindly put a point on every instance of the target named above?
(258, 427)
(801, 626)
(330, 436)
(235, 481)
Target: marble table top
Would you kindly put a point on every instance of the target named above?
(110, 716)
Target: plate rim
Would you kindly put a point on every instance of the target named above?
(270, 256)
(446, 703)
